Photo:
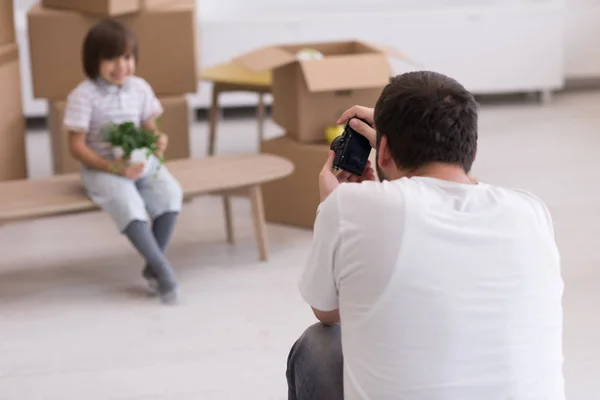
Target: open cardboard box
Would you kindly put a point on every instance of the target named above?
(310, 95)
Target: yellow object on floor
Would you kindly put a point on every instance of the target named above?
(332, 132)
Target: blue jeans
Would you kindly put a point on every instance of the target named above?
(315, 365)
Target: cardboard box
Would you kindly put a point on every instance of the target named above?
(310, 95)
(13, 157)
(175, 122)
(167, 49)
(7, 22)
(150, 4)
(107, 8)
(62, 162)
(294, 199)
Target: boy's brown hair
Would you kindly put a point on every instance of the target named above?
(106, 40)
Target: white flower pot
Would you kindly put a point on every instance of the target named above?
(137, 156)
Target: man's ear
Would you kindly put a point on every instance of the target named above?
(384, 156)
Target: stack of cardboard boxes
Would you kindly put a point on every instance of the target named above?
(13, 160)
(309, 95)
(168, 59)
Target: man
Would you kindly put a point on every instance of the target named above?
(433, 286)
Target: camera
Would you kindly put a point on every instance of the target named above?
(352, 150)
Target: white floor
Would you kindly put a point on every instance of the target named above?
(76, 323)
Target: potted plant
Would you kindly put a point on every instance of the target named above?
(133, 144)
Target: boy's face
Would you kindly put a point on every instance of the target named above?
(117, 70)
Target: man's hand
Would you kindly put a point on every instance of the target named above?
(359, 126)
(328, 181)
(162, 143)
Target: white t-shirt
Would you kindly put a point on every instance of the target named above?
(446, 291)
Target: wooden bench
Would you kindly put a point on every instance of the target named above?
(63, 194)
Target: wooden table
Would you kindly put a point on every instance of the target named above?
(233, 77)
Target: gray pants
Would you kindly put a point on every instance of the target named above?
(315, 365)
(126, 200)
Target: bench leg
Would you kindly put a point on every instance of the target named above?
(228, 218)
(260, 225)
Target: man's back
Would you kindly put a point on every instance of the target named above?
(446, 291)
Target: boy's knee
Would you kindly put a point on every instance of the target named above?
(176, 193)
(168, 199)
(124, 209)
(173, 196)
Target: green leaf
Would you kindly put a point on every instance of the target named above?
(130, 137)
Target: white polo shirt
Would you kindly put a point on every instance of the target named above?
(446, 291)
(94, 105)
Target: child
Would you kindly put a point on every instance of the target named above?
(112, 94)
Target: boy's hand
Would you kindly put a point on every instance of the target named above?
(162, 143)
(132, 171)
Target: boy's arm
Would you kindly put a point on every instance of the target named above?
(82, 153)
(163, 140)
(151, 125)
(76, 123)
(151, 111)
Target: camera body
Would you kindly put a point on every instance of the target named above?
(352, 150)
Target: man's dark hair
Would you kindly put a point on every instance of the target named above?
(106, 40)
(427, 117)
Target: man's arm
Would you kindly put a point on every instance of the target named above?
(318, 284)
(327, 317)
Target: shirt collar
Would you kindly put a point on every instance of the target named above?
(111, 88)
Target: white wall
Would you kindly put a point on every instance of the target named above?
(583, 34)
(255, 7)
(500, 46)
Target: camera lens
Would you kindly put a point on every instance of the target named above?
(336, 143)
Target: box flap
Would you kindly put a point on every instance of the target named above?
(346, 72)
(265, 59)
(152, 4)
(8, 53)
(390, 51)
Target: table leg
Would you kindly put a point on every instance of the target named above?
(213, 119)
(546, 96)
(261, 118)
(260, 224)
(228, 218)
